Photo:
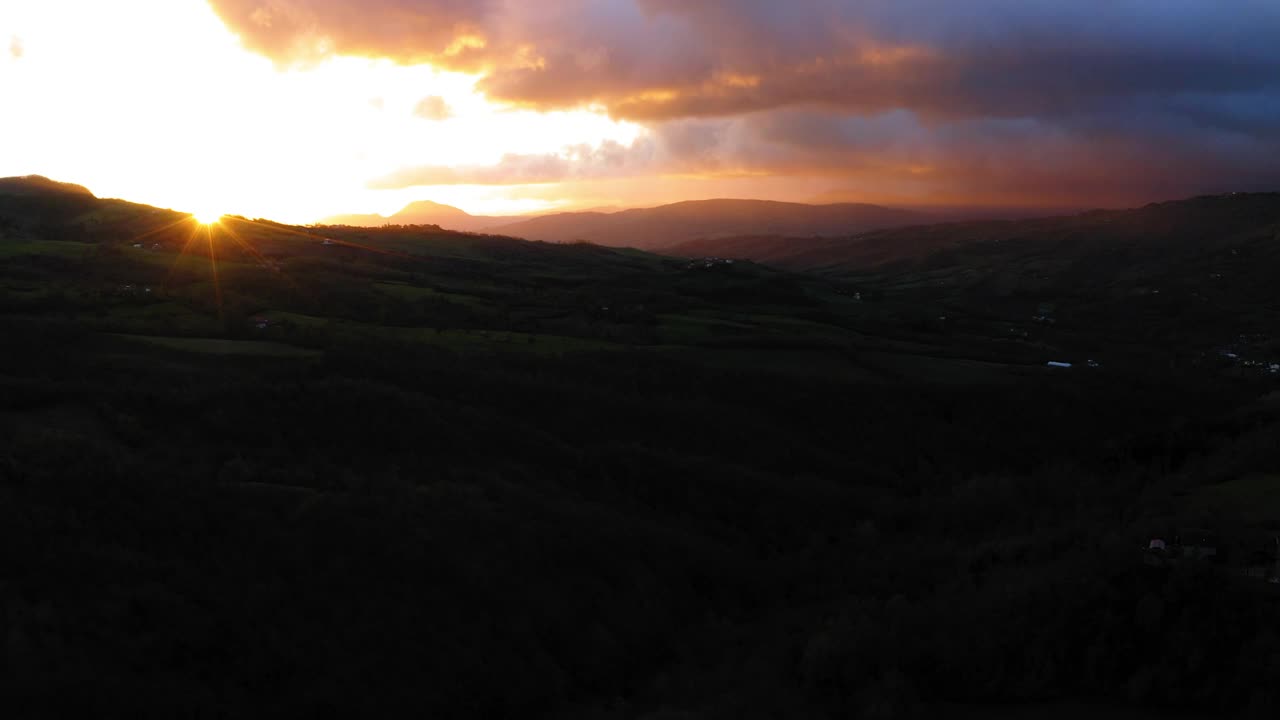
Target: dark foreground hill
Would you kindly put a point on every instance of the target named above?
(263, 470)
(35, 185)
(667, 225)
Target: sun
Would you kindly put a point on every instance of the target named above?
(207, 218)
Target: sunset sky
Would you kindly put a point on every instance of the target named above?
(299, 109)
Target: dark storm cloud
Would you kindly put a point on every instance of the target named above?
(658, 59)
(1131, 154)
(1022, 93)
(1098, 159)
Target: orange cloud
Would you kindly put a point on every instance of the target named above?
(894, 157)
(607, 160)
(1014, 97)
(663, 59)
(302, 32)
(434, 108)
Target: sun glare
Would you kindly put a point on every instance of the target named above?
(314, 139)
(207, 218)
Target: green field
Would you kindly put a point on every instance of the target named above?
(696, 328)
(218, 346)
(470, 340)
(1252, 499)
(11, 248)
(297, 319)
(413, 293)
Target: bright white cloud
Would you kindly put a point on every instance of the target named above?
(188, 119)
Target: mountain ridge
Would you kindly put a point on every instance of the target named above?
(419, 212)
(1191, 220)
(665, 225)
(653, 227)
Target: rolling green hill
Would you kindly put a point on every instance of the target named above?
(257, 468)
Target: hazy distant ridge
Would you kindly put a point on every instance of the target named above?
(652, 228)
(663, 226)
(1164, 229)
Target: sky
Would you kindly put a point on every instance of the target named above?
(299, 109)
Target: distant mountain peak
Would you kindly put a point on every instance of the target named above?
(421, 212)
(427, 206)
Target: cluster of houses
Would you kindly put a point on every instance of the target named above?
(1186, 544)
(133, 290)
(1044, 314)
(263, 322)
(1066, 365)
(1238, 353)
(1270, 367)
(1202, 546)
(707, 262)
